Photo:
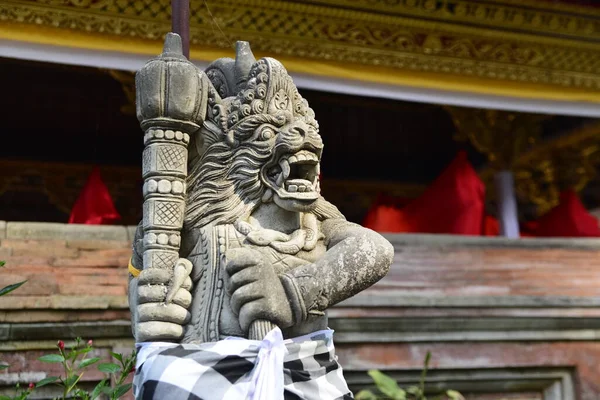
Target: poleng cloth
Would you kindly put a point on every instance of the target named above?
(304, 368)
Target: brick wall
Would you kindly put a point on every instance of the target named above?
(76, 287)
(503, 319)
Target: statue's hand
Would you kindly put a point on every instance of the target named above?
(163, 300)
(255, 289)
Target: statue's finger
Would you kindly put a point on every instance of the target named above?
(163, 312)
(240, 258)
(154, 276)
(156, 294)
(187, 284)
(243, 295)
(249, 313)
(180, 273)
(241, 278)
(186, 264)
(153, 331)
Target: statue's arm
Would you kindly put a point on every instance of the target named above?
(356, 258)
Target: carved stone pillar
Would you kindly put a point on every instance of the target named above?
(171, 101)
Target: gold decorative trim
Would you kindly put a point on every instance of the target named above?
(502, 136)
(569, 161)
(479, 41)
(552, 19)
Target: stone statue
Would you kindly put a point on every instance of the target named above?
(244, 241)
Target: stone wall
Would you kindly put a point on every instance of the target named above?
(503, 319)
(76, 287)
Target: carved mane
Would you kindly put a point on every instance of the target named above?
(224, 182)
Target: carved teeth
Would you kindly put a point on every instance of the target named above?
(303, 155)
(299, 185)
(285, 168)
(279, 179)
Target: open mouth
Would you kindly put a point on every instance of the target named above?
(296, 176)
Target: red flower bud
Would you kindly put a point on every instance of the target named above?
(132, 369)
(90, 342)
(31, 386)
(61, 345)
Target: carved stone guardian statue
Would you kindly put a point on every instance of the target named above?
(238, 255)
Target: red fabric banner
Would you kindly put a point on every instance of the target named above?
(568, 219)
(94, 205)
(453, 204)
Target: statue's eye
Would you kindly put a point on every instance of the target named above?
(267, 134)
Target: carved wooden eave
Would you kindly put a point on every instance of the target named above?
(525, 49)
(569, 161)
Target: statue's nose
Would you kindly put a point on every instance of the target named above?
(298, 130)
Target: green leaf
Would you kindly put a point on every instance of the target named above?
(107, 390)
(4, 366)
(46, 381)
(454, 395)
(413, 390)
(5, 398)
(10, 288)
(72, 381)
(117, 356)
(365, 395)
(83, 350)
(109, 368)
(387, 385)
(52, 358)
(88, 362)
(81, 394)
(98, 389)
(121, 390)
(2, 263)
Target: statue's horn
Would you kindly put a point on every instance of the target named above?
(244, 59)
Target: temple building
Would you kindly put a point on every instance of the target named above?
(466, 131)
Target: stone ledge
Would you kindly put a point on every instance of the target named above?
(376, 298)
(65, 302)
(42, 331)
(54, 231)
(556, 382)
(59, 231)
(404, 239)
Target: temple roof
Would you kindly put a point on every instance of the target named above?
(527, 49)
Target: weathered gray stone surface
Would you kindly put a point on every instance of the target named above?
(2, 229)
(259, 246)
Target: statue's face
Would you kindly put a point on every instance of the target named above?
(292, 173)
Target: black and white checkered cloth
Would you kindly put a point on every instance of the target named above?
(238, 369)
